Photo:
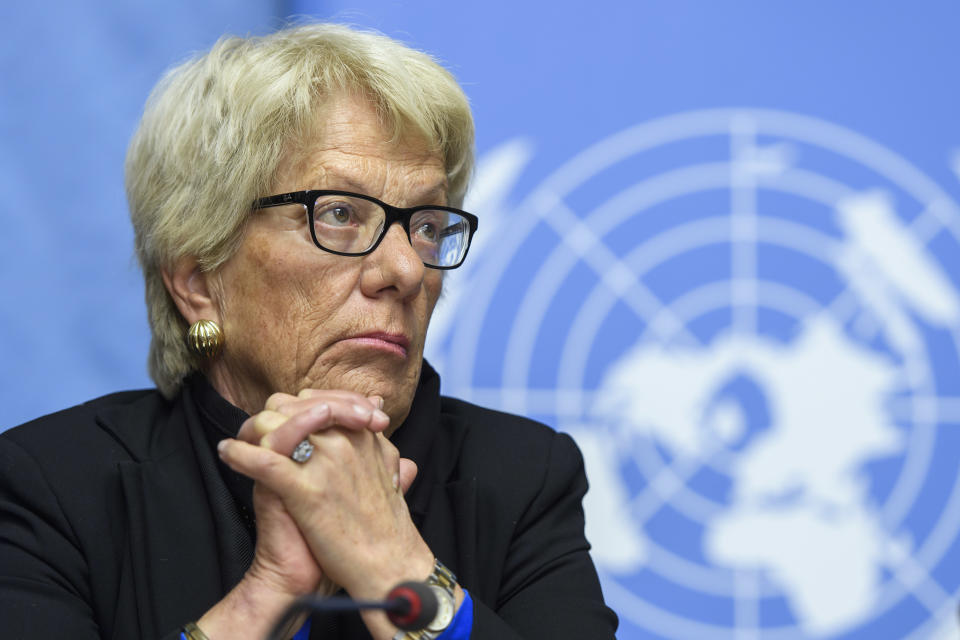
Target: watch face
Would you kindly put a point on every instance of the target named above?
(445, 604)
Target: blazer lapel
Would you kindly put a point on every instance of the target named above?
(172, 552)
(173, 569)
(450, 527)
(442, 505)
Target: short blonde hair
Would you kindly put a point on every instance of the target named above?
(214, 131)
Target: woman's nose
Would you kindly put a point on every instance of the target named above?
(393, 266)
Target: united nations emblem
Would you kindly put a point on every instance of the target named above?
(748, 319)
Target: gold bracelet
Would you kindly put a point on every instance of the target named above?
(192, 631)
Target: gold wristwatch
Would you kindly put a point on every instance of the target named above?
(443, 584)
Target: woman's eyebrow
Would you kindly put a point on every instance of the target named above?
(433, 194)
(334, 180)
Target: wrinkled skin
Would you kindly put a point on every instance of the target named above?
(306, 356)
(289, 310)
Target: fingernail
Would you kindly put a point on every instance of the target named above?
(377, 400)
(380, 415)
(221, 446)
(320, 411)
(362, 410)
(396, 481)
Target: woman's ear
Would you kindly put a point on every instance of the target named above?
(191, 291)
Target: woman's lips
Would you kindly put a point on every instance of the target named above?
(389, 342)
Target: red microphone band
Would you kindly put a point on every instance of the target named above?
(416, 605)
(411, 606)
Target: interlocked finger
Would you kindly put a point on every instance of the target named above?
(258, 426)
(349, 410)
(320, 411)
(292, 405)
(278, 400)
(294, 431)
(391, 459)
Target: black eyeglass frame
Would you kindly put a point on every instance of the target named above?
(392, 214)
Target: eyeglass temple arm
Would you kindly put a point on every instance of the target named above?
(275, 201)
(452, 229)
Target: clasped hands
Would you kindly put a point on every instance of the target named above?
(339, 518)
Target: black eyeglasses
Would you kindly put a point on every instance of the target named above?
(352, 224)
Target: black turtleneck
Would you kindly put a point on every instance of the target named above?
(220, 420)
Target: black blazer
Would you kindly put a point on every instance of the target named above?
(115, 524)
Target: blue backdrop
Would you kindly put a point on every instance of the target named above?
(719, 244)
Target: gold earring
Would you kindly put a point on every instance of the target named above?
(205, 338)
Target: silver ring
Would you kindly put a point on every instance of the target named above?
(303, 452)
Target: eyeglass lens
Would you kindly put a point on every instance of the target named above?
(352, 225)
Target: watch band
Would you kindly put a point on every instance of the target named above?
(444, 583)
(442, 577)
(193, 632)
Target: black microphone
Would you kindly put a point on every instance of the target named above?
(416, 605)
(409, 605)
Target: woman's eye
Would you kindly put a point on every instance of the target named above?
(426, 226)
(336, 216)
(428, 231)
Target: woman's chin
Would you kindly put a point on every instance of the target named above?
(372, 373)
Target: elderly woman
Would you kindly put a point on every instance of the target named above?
(294, 199)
